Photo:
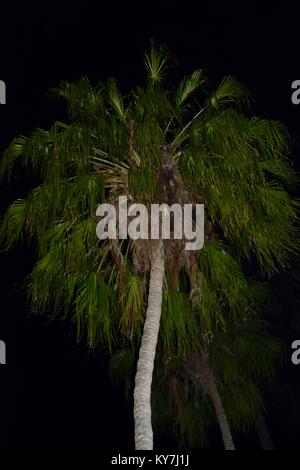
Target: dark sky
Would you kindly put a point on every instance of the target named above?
(53, 394)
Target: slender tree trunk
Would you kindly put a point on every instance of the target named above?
(145, 365)
(263, 433)
(198, 366)
(220, 412)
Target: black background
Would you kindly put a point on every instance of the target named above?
(53, 393)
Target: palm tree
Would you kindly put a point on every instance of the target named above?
(236, 362)
(157, 144)
(231, 370)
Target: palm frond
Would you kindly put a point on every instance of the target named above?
(188, 85)
(116, 100)
(155, 62)
(229, 92)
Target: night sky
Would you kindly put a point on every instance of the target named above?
(53, 392)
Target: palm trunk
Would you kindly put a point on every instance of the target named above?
(263, 434)
(145, 365)
(220, 412)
